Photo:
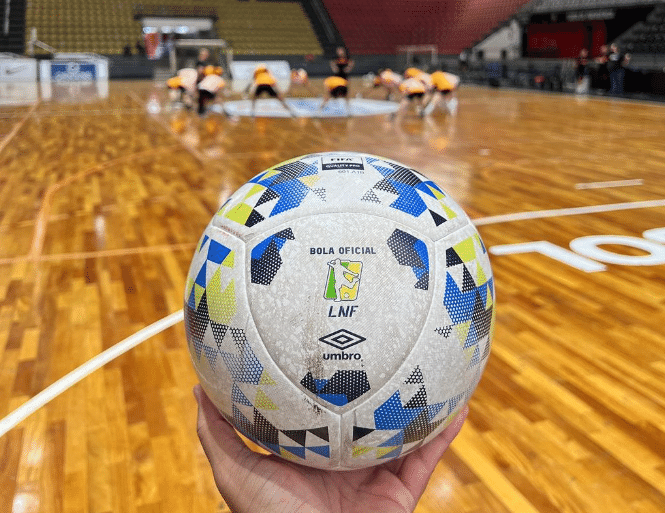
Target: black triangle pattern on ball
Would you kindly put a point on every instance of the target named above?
(290, 171)
(470, 304)
(321, 432)
(320, 192)
(297, 435)
(405, 423)
(482, 317)
(266, 259)
(219, 332)
(419, 400)
(438, 219)
(267, 196)
(411, 251)
(285, 234)
(343, 387)
(415, 377)
(196, 323)
(385, 185)
(264, 269)
(420, 428)
(212, 341)
(405, 175)
(423, 282)
(371, 197)
(359, 432)
(452, 258)
(467, 281)
(254, 218)
(264, 433)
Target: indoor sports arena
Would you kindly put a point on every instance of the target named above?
(330, 256)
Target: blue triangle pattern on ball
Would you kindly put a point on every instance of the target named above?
(413, 424)
(322, 450)
(392, 415)
(217, 252)
(469, 304)
(343, 387)
(283, 182)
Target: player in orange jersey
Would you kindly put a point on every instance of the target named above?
(389, 80)
(445, 85)
(183, 86)
(418, 74)
(265, 83)
(213, 70)
(299, 77)
(336, 87)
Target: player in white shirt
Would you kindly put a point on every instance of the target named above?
(209, 86)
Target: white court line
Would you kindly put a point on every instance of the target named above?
(560, 212)
(69, 380)
(605, 185)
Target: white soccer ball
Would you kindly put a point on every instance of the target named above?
(339, 310)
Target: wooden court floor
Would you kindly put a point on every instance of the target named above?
(101, 205)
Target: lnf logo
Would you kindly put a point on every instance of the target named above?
(343, 280)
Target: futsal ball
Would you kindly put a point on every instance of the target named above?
(339, 310)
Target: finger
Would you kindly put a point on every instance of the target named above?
(222, 446)
(433, 451)
(418, 466)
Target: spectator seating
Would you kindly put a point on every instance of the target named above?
(646, 37)
(380, 26)
(105, 27)
(545, 6)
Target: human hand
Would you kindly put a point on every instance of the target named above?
(254, 483)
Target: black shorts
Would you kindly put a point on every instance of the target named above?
(339, 92)
(411, 96)
(206, 95)
(445, 92)
(264, 88)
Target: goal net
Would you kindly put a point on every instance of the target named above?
(425, 57)
(185, 53)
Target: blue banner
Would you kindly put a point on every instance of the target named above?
(73, 72)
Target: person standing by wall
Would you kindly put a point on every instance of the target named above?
(616, 66)
(602, 78)
(582, 72)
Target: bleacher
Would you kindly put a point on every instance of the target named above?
(546, 6)
(105, 27)
(380, 26)
(275, 28)
(647, 37)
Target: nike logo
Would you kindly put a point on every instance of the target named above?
(11, 71)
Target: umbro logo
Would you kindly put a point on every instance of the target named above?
(342, 339)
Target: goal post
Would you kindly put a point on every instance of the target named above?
(185, 53)
(425, 57)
